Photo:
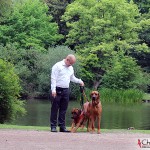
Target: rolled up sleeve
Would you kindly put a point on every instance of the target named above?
(76, 80)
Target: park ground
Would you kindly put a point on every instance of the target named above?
(22, 139)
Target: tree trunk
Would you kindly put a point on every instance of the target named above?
(96, 84)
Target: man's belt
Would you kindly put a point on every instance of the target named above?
(61, 89)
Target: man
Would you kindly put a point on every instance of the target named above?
(61, 75)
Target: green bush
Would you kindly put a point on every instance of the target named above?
(121, 96)
(26, 63)
(10, 105)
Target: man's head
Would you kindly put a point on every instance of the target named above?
(70, 60)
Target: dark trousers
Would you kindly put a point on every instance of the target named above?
(59, 107)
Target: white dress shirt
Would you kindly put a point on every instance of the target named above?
(61, 76)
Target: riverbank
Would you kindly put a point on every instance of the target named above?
(40, 138)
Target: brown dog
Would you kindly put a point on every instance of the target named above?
(94, 111)
(79, 117)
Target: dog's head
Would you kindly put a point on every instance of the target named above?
(95, 96)
(75, 113)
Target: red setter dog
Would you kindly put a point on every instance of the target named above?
(94, 111)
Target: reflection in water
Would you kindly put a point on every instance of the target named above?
(114, 116)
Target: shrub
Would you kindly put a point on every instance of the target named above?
(124, 74)
(10, 105)
(26, 66)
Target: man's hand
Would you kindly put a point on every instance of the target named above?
(82, 84)
(54, 94)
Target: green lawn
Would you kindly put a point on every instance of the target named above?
(39, 128)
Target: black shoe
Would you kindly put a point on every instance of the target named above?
(53, 129)
(63, 130)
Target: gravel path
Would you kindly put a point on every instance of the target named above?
(44, 140)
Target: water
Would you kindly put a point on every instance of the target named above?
(114, 116)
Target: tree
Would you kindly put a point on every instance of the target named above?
(27, 66)
(30, 27)
(57, 9)
(143, 5)
(144, 36)
(5, 8)
(125, 74)
(10, 105)
(34, 67)
(101, 31)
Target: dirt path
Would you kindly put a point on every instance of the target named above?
(44, 140)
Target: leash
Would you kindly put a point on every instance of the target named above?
(82, 96)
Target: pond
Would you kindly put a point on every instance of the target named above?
(114, 116)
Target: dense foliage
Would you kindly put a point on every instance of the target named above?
(10, 105)
(29, 27)
(5, 8)
(102, 30)
(26, 65)
(125, 74)
(143, 5)
(34, 67)
(57, 9)
(111, 39)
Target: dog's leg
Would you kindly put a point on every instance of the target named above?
(93, 125)
(87, 124)
(83, 123)
(72, 125)
(90, 124)
(75, 129)
(99, 122)
(77, 126)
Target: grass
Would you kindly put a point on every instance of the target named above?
(121, 96)
(146, 96)
(41, 128)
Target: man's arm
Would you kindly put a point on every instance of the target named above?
(54, 75)
(76, 80)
